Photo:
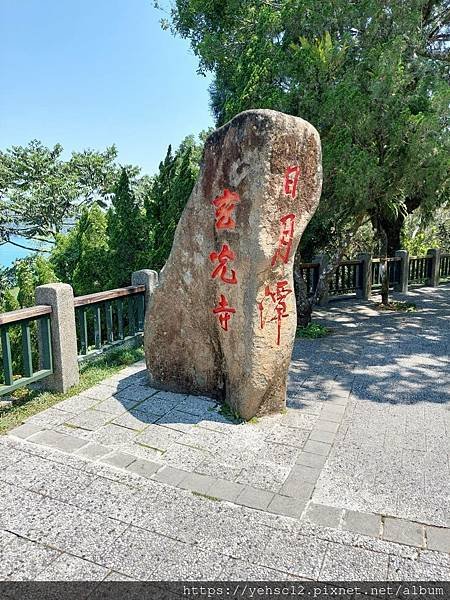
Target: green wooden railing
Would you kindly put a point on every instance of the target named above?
(109, 318)
(25, 319)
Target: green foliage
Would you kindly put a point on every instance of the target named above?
(368, 75)
(420, 233)
(91, 273)
(40, 192)
(29, 273)
(126, 234)
(166, 196)
(313, 331)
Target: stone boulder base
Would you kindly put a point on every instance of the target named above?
(222, 321)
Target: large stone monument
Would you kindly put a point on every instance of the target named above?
(222, 321)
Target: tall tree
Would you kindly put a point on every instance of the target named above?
(41, 193)
(126, 233)
(371, 76)
(166, 198)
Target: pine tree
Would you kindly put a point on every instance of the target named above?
(91, 273)
(166, 199)
(126, 234)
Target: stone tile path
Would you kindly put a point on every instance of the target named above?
(351, 482)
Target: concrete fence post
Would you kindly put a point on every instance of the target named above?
(402, 285)
(366, 275)
(322, 259)
(148, 278)
(64, 336)
(435, 254)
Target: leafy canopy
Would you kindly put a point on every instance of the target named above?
(371, 76)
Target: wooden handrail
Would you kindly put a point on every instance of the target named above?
(108, 295)
(308, 265)
(348, 263)
(25, 314)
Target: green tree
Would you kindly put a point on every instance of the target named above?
(89, 243)
(166, 197)
(40, 193)
(372, 77)
(28, 274)
(126, 234)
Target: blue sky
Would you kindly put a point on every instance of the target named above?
(89, 73)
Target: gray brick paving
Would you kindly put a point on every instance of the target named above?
(328, 516)
(365, 436)
(53, 439)
(438, 539)
(364, 523)
(404, 532)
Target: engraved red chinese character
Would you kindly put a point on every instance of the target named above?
(223, 257)
(278, 297)
(291, 176)
(285, 240)
(225, 204)
(224, 311)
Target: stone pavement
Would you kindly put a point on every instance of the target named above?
(352, 482)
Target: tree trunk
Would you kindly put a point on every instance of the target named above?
(392, 229)
(302, 301)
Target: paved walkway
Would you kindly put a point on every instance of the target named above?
(352, 482)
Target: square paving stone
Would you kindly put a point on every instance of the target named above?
(255, 498)
(159, 437)
(226, 490)
(136, 392)
(169, 475)
(296, 487)
(197, 483)
(403, 532)
(317, 448)
(178, 420)
(113, 435)
(142, 467)
(197, 405)
(49, 418)
(135, 419)
(118, 459)
(53, 439)
(93, 451)
(311, 460)
(114, 406)
(100, 392)
(288, 507)
(89, 419)
(76, 404)
(184, 457)
(157, 405)
(323, 425)
(26, 430)
(297, 419)
(332, 414)
(308, 474)
(364, 523)
(320, 514)
(438, 538)
(288, 436)
(322, 436)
